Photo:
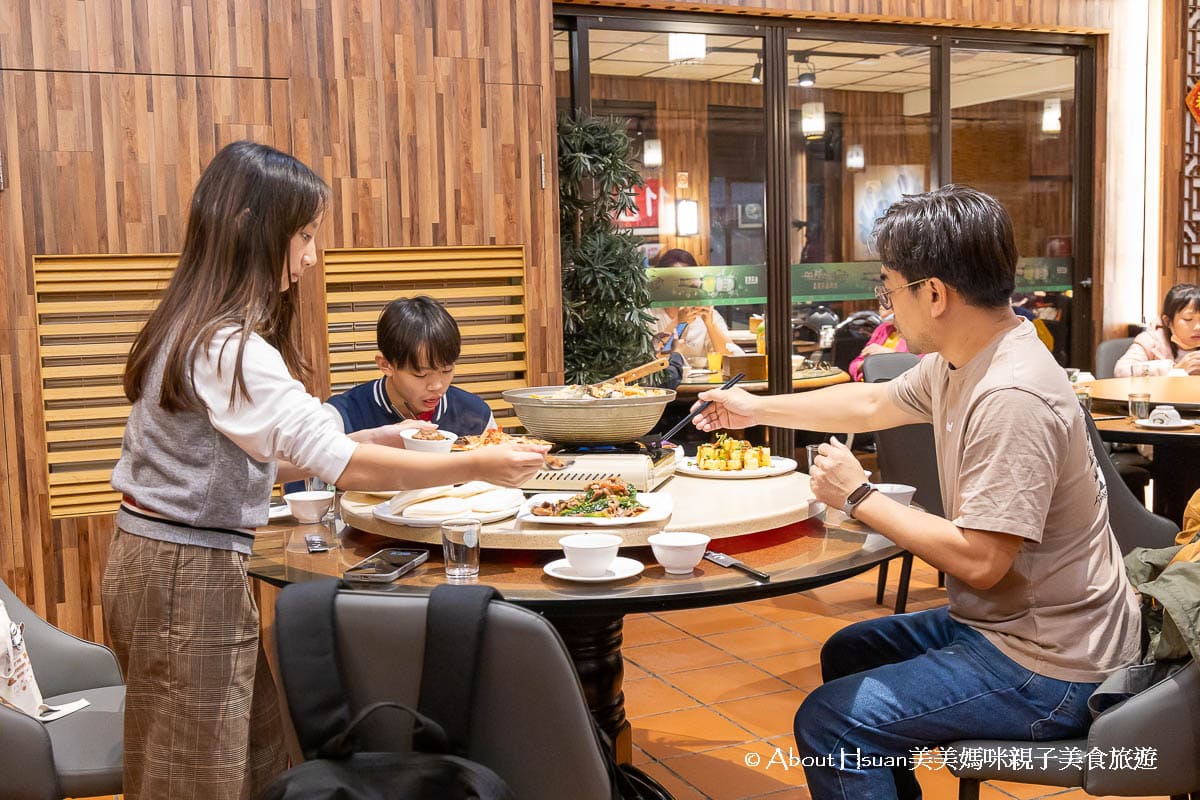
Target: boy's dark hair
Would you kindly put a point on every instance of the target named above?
(957, 234)
(412, 329)
(1180, 297)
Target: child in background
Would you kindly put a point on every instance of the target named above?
(1171, 343)
(418, 344)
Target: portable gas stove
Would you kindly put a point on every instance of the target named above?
(645, 464)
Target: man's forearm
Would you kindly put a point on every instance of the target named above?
(847, 408)
(978, 558)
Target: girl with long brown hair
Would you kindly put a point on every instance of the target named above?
(218, 417)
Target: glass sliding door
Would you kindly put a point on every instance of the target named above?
(1014, 127)
(857, 143)
(693, 106)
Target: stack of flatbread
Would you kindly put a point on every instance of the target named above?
(439, 502)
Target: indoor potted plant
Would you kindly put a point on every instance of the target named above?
(606, 329)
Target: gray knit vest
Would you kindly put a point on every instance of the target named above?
(179, 466)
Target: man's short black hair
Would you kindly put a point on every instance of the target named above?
(416, 329)
(957, 234)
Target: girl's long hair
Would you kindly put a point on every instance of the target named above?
(249, 203)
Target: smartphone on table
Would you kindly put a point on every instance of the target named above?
(386, 566)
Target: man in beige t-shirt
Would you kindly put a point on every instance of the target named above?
(1040, 609)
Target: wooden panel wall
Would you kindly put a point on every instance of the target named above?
(425, 117)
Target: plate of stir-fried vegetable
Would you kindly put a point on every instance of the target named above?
(610, 501)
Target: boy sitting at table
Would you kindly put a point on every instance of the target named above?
(419, 343)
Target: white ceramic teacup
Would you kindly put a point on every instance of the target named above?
(902, 493)
(1165, 415)
(590, 554)
(678, 551)
(308, 506)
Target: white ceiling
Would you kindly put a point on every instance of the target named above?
(850, 66)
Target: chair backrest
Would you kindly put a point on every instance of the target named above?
(528, 699)
(906, 454)
(1108, 353)
(1133, 524)
(61, 662)
(886, 366)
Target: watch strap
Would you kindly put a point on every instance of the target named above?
(856, 497)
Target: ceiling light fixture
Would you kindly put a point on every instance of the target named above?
(856, 159)
(806, 76)
(1052, 115)
(812, 120)
(756, 76)
(652, 153)
(686, 46)
(687, 218)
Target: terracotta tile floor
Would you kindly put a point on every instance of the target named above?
(706, 687)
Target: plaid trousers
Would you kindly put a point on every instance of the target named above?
(201, 713)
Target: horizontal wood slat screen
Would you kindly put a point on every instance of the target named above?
(89, 309)
(482, 286)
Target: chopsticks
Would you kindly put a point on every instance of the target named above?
(680, 425)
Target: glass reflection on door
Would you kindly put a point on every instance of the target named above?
(858, 143)
(1013, 136)
(694, 110)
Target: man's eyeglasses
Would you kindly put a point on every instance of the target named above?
(884, 295)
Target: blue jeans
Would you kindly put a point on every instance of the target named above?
(912, 681)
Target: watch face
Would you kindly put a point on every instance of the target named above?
(858, 494)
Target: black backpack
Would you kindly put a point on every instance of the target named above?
(337, 768)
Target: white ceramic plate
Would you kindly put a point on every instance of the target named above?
(383, 512)
(658, 507)
(1177, 426)
(779, 466)
(621, 568)
(279, 512)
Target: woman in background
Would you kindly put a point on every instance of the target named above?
(1171, 343)
(885, 338)
(692, 331)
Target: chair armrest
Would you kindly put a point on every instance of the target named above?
(26, 759)
(65, 663)
(1163, 720)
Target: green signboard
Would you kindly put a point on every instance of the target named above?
(746, 284)
(1044, 274)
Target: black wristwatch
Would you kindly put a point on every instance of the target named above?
(856, 497)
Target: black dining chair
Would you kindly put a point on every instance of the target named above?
(906, 455)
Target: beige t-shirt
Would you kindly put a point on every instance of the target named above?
(1015, 457)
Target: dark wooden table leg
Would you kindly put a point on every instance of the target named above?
(594, 643)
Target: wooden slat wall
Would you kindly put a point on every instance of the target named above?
(89, 309)
(483, 287)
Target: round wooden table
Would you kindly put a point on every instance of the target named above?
(1176, 466)
(799, 384)
(1181, 391)
(796, 550)
(718, 507)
